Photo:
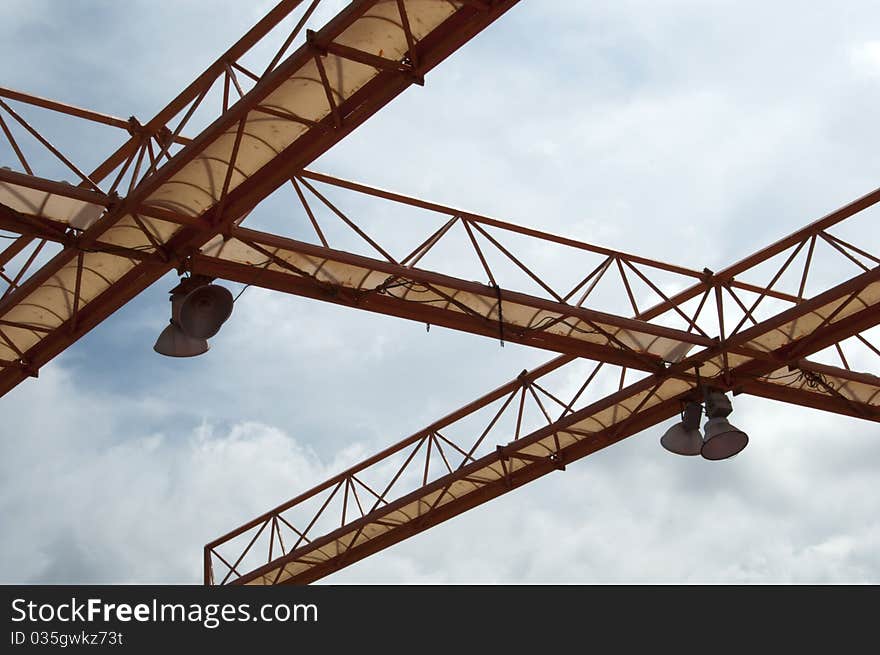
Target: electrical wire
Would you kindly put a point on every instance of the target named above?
(785, 375)
(263, 266)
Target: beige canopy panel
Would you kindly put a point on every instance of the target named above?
(52, 206)
(828, 314)
(198, 184)
(487, 470)
(339, 269)
(824, 315)
(52, 303)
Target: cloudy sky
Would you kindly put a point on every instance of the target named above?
(688, 131)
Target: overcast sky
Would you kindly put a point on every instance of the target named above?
(689, 131)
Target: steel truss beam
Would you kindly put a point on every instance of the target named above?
(450, 302)
(320, 542)
(574, 435)
(395, 285)
(330, 526)
(34, 349)
(475, 481)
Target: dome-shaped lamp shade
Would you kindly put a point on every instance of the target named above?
(722, 440)
(681, 441)
(684, 438)
(174, 342)
(204, 310)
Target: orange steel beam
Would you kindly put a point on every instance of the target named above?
(76, 112)
(448, 37)
(559, 239)
(42, 228)
(387, 303)
(424, 314)
(532, 468)
(52, 186)
(806, 398)
(725, 276)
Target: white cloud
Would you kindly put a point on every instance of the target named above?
(109, 503)
(866, 58)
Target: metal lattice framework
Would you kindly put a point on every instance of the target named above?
(538, 423)
(792, 322)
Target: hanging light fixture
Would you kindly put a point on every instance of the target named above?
(198, 310)
(685, 438)
(204, 310)
(721, 440)
(174, 342)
